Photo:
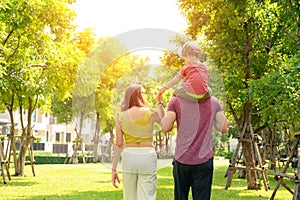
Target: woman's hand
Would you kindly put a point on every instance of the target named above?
(115, 177)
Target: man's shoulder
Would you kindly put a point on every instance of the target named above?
(173, 102)
(213, 98)
(176, 99)
(173, 99)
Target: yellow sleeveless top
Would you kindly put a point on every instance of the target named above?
(137, 130)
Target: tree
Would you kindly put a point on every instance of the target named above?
(104, 104)
(246, 40)
(37, 60)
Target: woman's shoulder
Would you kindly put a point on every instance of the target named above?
(120, 115)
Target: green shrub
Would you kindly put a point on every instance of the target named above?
(2, 137)
(42, 153)
(37, 139)
(229, 155)
(54, 160)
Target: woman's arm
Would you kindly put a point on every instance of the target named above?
(118, 145)
(117, 154)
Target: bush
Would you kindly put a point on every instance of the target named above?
(229, 155)
(54, 160)
(2, 137)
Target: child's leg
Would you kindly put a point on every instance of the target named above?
(180, 92)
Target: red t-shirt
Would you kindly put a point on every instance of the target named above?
(196, 76)
(194, 128)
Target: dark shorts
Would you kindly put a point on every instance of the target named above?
(197, 177)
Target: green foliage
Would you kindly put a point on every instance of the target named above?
(2, 137)
(37, 139)
(38, 58)
(62, 110)
(282, 89)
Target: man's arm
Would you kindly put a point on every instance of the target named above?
(221, 122)
(167, 121)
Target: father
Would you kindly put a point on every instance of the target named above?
(193, 159)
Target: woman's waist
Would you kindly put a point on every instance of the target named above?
(139, 144)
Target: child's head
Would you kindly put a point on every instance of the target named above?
(191, 49)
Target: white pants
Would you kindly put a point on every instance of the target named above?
(139, 173)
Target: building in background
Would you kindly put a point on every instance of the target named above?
(55, 138)
(43, 126)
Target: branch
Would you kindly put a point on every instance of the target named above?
(293, 11)
(15, 50)
(21, 116)
(260, 128)
(271, 42)
(35, 103)
(233, 113)
(282, 25)
(44, 66)
(8, 36)
(247, 50)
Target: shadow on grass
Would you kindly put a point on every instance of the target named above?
(17, 183)
(108, 195)
(235, 194)
(162, 194)
(107, 181)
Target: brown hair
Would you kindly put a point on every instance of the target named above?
(133, 97)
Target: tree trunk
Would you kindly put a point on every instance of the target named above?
(74, 156)
(160, 140)
(96, 138)
(273, 149)
(167, 136)
(248, 150)
(12, 147)
(25, 139)
(78, 140)
(21, 158)
(111, 133)
(250, 163)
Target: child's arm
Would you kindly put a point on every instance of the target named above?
(170, 84)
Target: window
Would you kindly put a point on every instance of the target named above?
(34, 116)
(47, 136)
(4, 130)
(68, 137)
(57, 137)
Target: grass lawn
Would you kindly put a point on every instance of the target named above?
(93, 181)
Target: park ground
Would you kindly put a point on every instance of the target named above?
(93, 181)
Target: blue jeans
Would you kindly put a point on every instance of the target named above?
(198, 177)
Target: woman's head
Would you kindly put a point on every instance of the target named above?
(133, 97)
(191, 49)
